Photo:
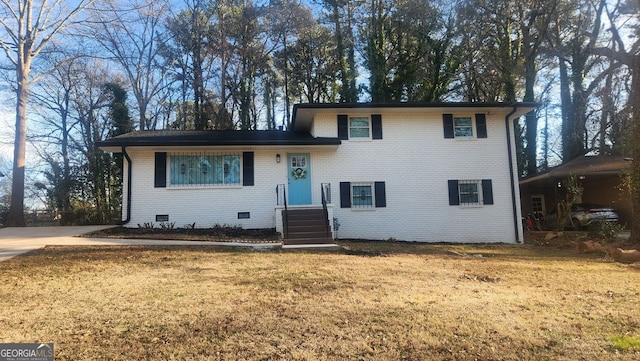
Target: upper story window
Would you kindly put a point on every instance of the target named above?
(359, 127)
(204, 169)
(462, 127)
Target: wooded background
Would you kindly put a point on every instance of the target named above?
(86, 70)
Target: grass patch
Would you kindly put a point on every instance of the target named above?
(625, 343)
(407, 302)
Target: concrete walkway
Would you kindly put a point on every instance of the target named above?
(18, 240)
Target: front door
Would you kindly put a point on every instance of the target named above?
(299, 169)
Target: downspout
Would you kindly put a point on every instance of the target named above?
(126, 155)
(511, 177)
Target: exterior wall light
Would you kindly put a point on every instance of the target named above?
(277, 158)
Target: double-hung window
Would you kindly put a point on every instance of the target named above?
(359, 127)
(204, 169)
(470, 192)
(363, 195)
(537, 204)
(462, 127)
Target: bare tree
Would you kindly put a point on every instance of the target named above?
(52, 97)
(629, 55)
(137, 51)
(27, 27)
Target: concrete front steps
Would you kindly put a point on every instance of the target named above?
(307, 227)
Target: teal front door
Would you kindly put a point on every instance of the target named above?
(299, 169)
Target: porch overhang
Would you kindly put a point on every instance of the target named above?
(586, 166)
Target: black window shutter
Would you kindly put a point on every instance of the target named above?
(454, 196)
(376, 126)
(160, 176)
(345, 195)
(487, 191)
(343, 127)
(247, 169)
(481, 125)
(447, 122)
(381, 195)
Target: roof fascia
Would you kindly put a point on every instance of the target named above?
(303, 114)
(178, 148)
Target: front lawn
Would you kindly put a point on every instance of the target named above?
(374, 301)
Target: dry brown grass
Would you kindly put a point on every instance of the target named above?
(415, 302)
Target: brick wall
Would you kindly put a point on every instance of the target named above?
(413, 159)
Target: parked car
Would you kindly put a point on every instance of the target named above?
(582, 215)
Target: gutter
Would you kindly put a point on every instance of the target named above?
(511, 177)
(126, 155)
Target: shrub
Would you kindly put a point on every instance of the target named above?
(146, 225)
(604, 230)
(165, 226)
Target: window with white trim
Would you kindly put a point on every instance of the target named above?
(468, 192)
(202, 169)
(537, 204)
(359, 127)
(362, 195)
(462, 127)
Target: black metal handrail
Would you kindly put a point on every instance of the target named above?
(285, 218)
(326, 196)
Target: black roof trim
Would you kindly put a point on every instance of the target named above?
(416, 105)
(215, 138)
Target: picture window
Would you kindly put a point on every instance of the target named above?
(204, 169)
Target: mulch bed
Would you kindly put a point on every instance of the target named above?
(215, 234)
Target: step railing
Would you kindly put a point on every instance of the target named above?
(325, 189)
(281, 200)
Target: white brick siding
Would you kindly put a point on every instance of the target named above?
(206, 206)
(413, 159)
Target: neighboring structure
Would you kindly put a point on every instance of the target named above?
(601, 178)
(436, 172)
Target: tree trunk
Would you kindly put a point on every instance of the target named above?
(16, 209)
(531, 119)
(635, 170)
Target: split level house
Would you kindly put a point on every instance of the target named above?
(431, 172)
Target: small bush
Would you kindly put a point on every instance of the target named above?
(604, 230)
(165, 226)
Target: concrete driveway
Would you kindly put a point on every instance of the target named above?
(18, 240)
